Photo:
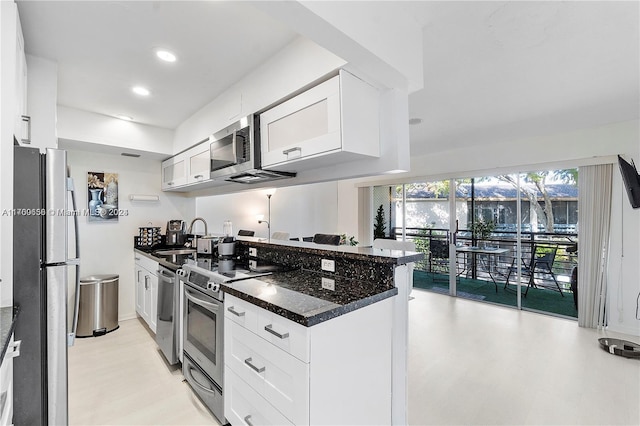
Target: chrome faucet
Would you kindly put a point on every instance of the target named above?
(193, 221)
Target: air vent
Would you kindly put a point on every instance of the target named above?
(129, 154)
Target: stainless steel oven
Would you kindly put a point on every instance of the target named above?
(202, 322)
(202, 327)
(203, 331)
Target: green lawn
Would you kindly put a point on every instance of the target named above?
(537, 298)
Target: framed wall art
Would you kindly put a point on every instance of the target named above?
(102, 196)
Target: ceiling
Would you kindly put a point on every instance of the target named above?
(493, 71)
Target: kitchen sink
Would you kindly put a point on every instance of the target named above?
(174, 252)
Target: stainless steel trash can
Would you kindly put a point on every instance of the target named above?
(98, 305)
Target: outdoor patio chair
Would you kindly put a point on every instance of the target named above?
(541, 262)
(439, 259)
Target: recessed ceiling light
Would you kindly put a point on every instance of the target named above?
(414, 121)
(124, 117)
(142, 91)
(165, 55)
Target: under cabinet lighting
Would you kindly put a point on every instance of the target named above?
(124, 117)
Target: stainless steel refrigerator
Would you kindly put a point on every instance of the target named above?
(43, 215)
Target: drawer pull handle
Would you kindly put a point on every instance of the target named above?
(234, 312)
(290, 150)
(247, 420)
(270, 329)
(253, 367)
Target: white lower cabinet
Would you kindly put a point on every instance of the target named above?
(6, 384)
(280, 372)
(146, 279)
(245, 406)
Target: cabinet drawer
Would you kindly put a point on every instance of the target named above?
(241, 312)
(244, 406)
(289, 336)
(276, 375)
(146, 263)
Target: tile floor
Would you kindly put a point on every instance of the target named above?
(470, 363)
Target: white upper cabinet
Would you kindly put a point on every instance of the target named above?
(198, 163)
(22, 126)
(334, 121)
(174, 172)
(187, 169)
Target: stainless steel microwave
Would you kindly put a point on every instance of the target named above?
(235, 154)
(232, 148)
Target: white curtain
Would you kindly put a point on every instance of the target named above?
(594, 219)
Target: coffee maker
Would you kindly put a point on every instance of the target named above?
(175, 232)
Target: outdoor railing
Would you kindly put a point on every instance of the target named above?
(562, 266)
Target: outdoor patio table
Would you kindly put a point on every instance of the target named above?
(489, 260)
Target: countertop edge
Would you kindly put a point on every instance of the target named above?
(160, 261)
(396, 257)
(316, 318)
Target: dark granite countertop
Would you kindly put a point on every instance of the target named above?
(8, 315)
(172, 262)
(299, 295)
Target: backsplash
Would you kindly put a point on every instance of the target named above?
(348, 265)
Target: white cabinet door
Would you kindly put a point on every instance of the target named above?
(306, 125)
(335, 121)
(174, 172)
(6, 386)
(22, 129)
(198, 163)
(139, 280)
(146, 282)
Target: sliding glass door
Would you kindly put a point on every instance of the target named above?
(507, 239)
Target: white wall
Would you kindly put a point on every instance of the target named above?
(302, 210)
(79, 129)
(107, 248)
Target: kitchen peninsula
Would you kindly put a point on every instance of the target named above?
(321, 339)
(340, 336)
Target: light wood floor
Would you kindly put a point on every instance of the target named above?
(470, 363)
(121, 378)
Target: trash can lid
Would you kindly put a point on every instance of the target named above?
(92, 279)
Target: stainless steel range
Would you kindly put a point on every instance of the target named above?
(202, 328)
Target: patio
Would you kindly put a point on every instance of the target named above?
(482, 273)
(539, 299)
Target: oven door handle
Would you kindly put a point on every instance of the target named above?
(207, 305)
(197, 383)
